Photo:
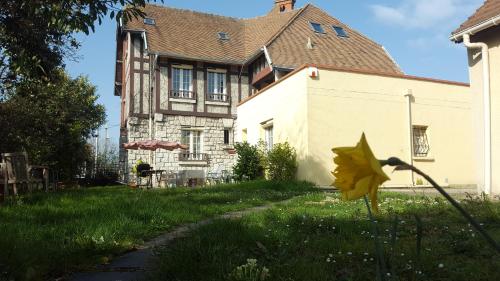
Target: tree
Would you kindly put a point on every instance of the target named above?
(282, 162)
(36, 36)
(249, 163)
(52, 121)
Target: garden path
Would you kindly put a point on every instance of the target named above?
(135, 265)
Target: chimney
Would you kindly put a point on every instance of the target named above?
(284, 5)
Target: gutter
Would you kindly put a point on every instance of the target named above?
(475, 29)
(486, 107)
(409, 98)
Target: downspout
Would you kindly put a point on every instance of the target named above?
(152, 81)
(487, 108)
(409, 98)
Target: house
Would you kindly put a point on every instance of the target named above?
(480, 34)
(426, 122)
(181, 74)
(296, 75)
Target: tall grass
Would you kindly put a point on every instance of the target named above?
(45, 235)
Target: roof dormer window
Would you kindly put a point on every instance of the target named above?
(340, 31)
(223, 36)
(316, 27)
(149, 21)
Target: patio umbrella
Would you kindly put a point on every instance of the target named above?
(153, 145)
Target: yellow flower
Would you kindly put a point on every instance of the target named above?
(358, 172)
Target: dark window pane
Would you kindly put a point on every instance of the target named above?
(340, 31)
(317, 27)
(226, 136)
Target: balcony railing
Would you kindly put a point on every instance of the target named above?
(182, 94)
(187, 157)
(218, 97)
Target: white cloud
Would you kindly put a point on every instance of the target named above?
(426, 13)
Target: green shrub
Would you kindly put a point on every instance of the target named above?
(282, 162)
(249, 164)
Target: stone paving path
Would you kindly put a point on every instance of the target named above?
(135, 265)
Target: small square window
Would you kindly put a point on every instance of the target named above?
(317, 27)
(227, 136)
(223, 36)
(149, 21)
(340, 31)
(421, 145)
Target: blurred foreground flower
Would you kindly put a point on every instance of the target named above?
(358, 172)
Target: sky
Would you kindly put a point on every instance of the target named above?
(415, 32)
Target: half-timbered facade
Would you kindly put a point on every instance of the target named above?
(181, 74)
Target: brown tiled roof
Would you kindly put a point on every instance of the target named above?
(189, 34)
(490, 9)
(357, 51)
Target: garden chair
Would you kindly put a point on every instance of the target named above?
(18, 172)
(216, 175)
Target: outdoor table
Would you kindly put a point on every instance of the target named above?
(150, 173)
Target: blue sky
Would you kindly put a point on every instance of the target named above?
(415, 32)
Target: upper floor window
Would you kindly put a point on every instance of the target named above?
(182, 83)
(340, 31)
(216, 81)
(421, 145)
(149, 21)
(223, 36)
(259, 65)
(317, 27)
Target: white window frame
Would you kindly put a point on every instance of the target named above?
(269, 136)
(427, 149)
(216, 94)
(197, 155)
(182, 92)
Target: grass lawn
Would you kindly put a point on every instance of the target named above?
(319, 237)
(46, 235)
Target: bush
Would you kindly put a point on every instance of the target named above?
(282, 162)
(249, 164)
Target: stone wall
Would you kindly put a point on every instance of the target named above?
(168, 128)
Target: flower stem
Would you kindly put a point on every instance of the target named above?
(472, 221)
(378, 246)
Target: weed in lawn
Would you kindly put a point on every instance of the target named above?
(46, 235)
(317, 237)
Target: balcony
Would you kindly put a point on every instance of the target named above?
(182, 94)
(187, 158)
(218, 98)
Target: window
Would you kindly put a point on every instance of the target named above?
(259, 65)
(227, 134)
(182, 83)
(340, 31)
(244, 135)
(193, 138)
(317, 27)
(217, 86)
(223, 36)
(268, 135)
(149, 21)
(420, 141)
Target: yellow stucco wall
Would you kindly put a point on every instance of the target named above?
(492, 38)
(342, 105)
(286, 105)
(315, 115)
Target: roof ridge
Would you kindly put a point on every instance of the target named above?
(285, 26)
(194, 12)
